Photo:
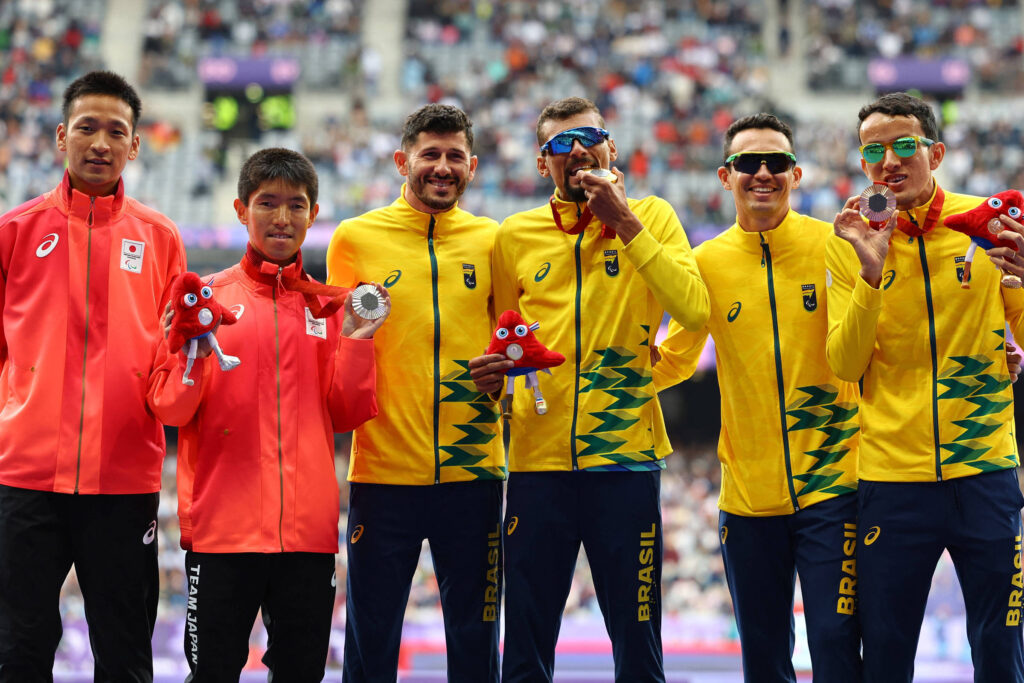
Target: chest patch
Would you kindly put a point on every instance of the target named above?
(810, 297)
(611, 262)
(131, 255)
(469, 275)
(315, 327)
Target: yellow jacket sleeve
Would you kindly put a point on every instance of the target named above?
(662, 256)
(853, 310)
(679, 354)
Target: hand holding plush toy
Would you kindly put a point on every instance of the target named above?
(982, 224)
(515, 339)
(196, 315)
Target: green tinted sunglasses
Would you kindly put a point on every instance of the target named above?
(906, 147)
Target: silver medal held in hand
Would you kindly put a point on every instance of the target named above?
(368, 303)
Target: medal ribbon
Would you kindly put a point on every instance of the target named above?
(581, 222)
(261, 270)
(911, 228)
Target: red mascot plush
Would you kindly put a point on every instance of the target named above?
(515, 339)
(982, 224)
(196, 315)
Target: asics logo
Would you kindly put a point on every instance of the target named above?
(150, 534)
(48, 244)
(543, 272)
(872, 535)
(724, 533)
(238, 310)
(512, 524)
(734, 311)
(357, 533)
(392, 278)
(334, 579)
(888, 278)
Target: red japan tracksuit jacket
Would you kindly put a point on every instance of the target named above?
(83, 282)
(256, 444)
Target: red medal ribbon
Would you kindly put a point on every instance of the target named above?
(913, 229)
(261, 270)
(581, 222)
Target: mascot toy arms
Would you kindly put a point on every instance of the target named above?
(196, 315)
(982, 224)
(515, 339)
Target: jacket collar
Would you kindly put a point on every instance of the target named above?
(780, 236)
(418, 220)
(104, 209)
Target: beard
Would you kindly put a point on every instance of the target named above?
(422, 189)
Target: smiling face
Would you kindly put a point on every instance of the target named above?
(438, 167)
(909, 178)
(762, 198)
(99, 142)
(562, 168)
(277, 216)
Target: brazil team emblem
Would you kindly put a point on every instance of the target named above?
(959, 261)
(810, 297)
(469, 275)
(611, 262)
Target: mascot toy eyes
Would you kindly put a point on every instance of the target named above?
(196, 315)
(515, 339)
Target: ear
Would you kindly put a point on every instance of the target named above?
(798, 173)
(133, 151)
(723, 177)
(402, 162)
(864, 167)
(242, 211)
(612, 154)
(472, 169)
(936, 153)
(313, 214)
(542, 166)
(62, 137)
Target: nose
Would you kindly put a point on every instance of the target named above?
(442, 168)
(578, 149)
(891, 159)
(763, 173)
(101, 142)
(281, 215)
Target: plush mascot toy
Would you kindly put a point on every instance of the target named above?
(515, 339)
(196, 314)
(982, 224)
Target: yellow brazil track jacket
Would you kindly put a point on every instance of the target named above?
(433, 425)
(937, 402)
(599, 303)
(789, 425)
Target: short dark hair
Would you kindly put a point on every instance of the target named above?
(436, 118)
(277, 163)
(755, 121)
(903, 104)
(102, 83)
(564, 109)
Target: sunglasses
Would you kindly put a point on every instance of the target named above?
(751, 162)
(906, 147)
(560, 143)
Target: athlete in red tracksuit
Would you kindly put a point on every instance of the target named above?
(257, 490)
(84, 272)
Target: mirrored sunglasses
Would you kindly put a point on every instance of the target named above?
(560, 143)
(751, 162)
(905, 147)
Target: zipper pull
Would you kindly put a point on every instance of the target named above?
(92, 206)
(764, 249)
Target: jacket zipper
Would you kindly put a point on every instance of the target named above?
(766, 261)
(280, 450)
(578, 327)
(932, 344)
(85, 345)
(437, 350)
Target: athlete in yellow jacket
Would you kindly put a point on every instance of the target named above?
(597, 270)
(938, 458)
(431, 464)
(788, 444)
